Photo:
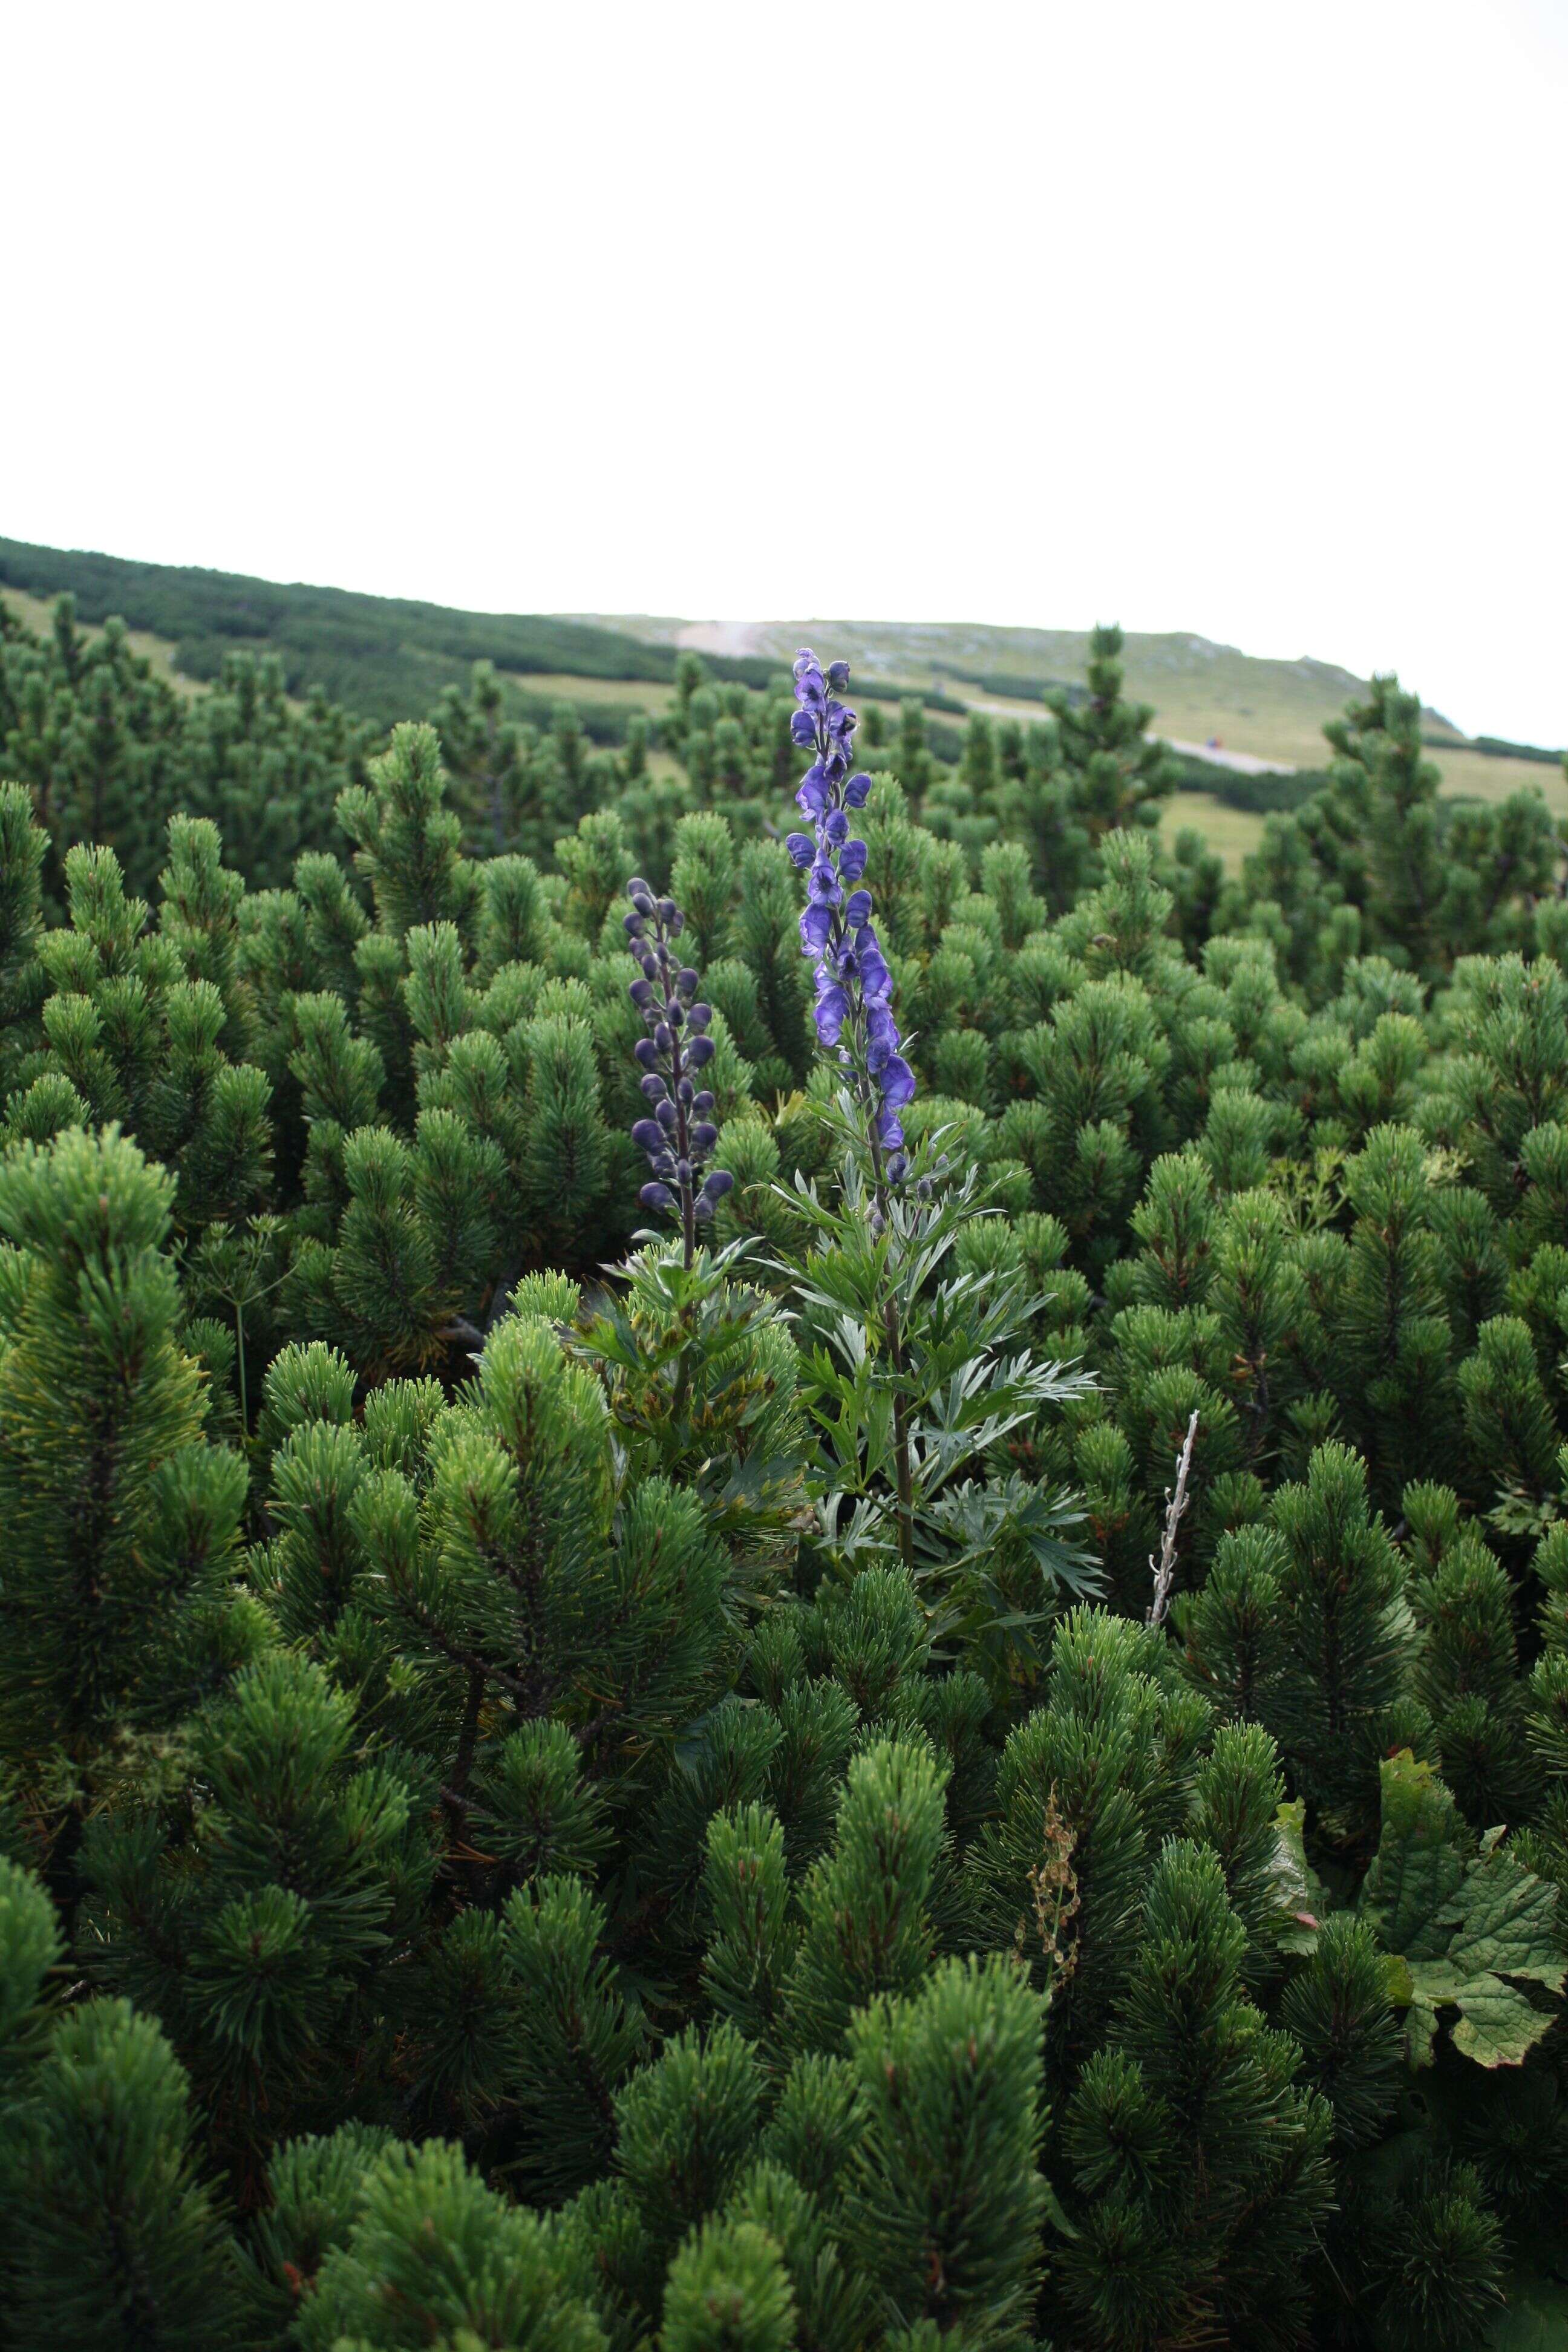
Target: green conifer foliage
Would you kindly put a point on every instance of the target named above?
(434, 2257)
(1116, 776)
(249, 1918)
(943, 2204)
(1185, 2224)
(1347, 1637)
(115, 2239)
(117, 1602)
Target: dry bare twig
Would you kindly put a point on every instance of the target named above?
(1164, 1570)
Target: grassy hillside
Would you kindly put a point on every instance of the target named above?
(1274, 708)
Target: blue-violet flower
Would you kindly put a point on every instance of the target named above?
(854, 987)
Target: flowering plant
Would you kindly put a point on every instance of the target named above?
(680, 1136)
(853, 1012)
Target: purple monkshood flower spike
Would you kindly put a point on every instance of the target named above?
(681, 1133)
(854, 987)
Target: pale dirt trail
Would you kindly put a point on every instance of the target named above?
(732, 637)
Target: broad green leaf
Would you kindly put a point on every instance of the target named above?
(1456, 1926)
(1510, 1924)
(1496, 2025)
(1419, 1866)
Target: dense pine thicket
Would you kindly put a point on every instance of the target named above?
(564, 1786)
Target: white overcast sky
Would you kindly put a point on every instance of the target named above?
(1246, 319)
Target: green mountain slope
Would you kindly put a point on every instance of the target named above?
(382, 655)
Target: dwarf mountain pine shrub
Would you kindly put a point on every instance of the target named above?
(569, 1785)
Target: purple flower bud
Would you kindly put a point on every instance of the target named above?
(663, 1036)
(702, 1210)
(896, 1082)
(637, 888)
(676, 925)
(803, 729)
(875, 977)
(852, 859)
(838, 675)
(816, 928)
(897, 1168)
(699, 1016)
(633, 926)
(719, 1182)
(674, 1014)
(858, 909)
(657, 1196)
(856, 792)
(668, 1115)
(643, 901)
(805, 659)
(813, 786)
(641, 991)
(688, 983)
(700, 1052)
(645, 1053)
(801, 847)
(647, 1135)
(704, 1101)
(831, 1012)
(686, 1091)
(704, 1135)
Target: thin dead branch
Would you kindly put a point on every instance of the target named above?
(1163, 1570)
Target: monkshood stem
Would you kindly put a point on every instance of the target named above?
(680, 1135)
(903, 1468)
(853, 1012)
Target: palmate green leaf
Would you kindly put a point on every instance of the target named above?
(964, 1525)
(1458, 1926)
